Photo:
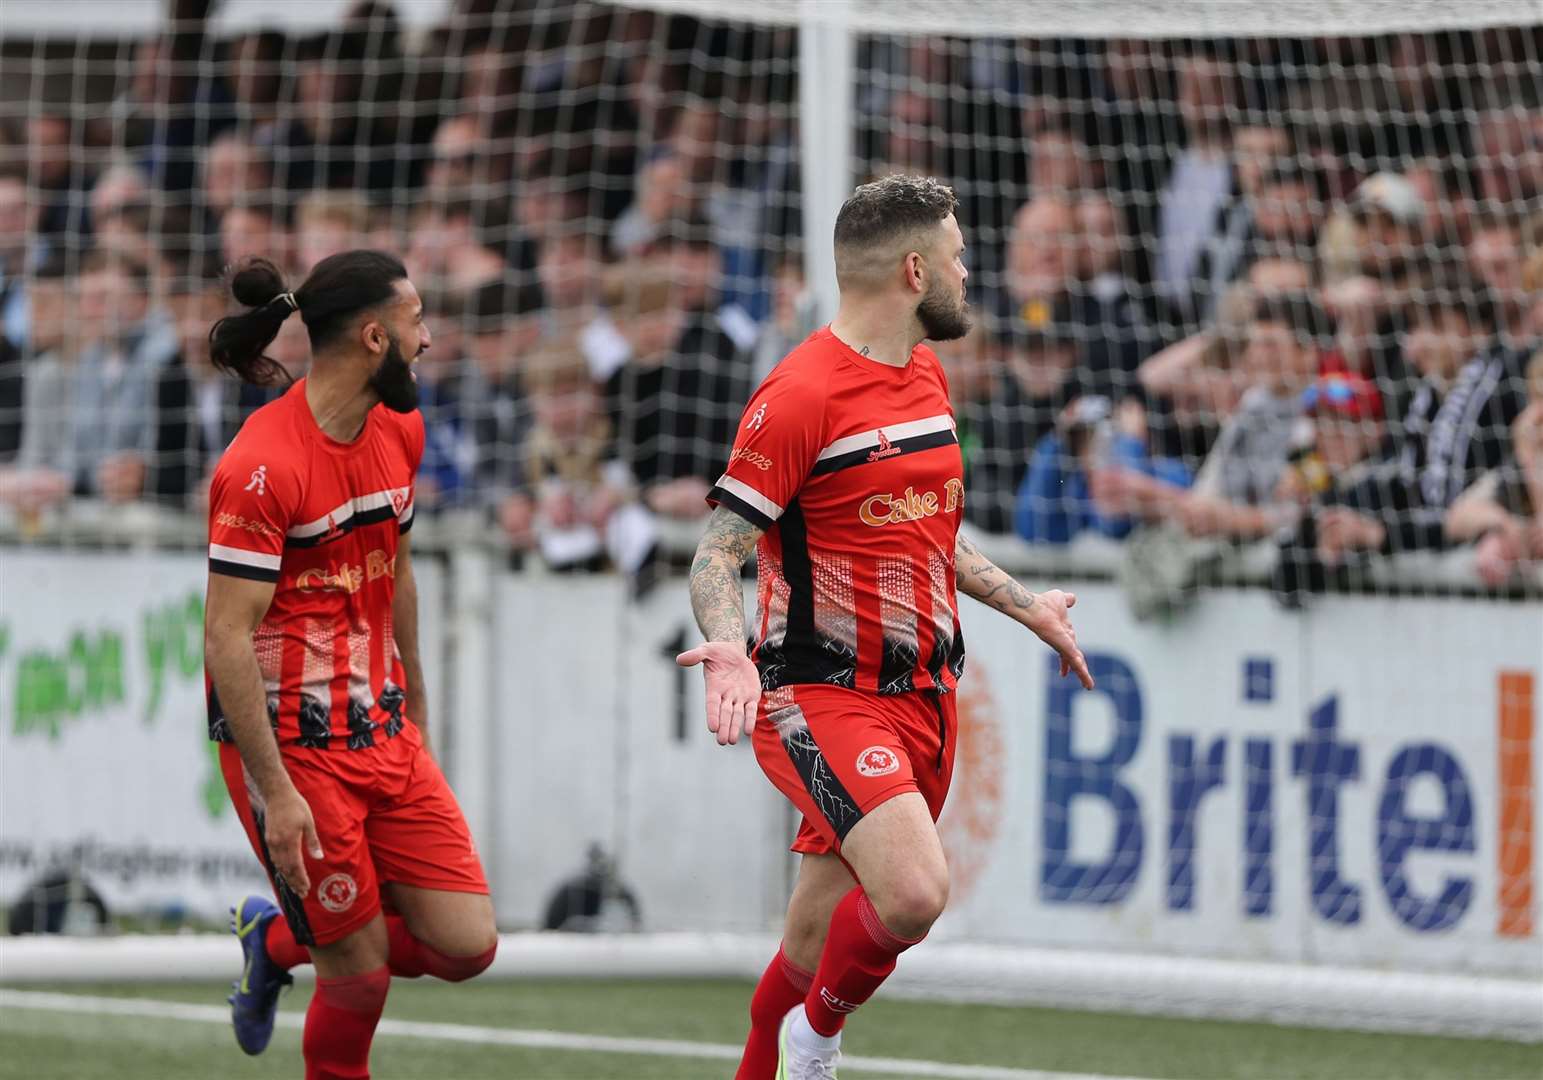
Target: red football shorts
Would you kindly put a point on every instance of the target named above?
(383, 813)
(838, 753)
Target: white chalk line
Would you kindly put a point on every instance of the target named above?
(149, 1008)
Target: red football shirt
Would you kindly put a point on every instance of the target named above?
(853, 469)
(320, 519)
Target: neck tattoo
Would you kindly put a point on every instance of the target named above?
(863, 351)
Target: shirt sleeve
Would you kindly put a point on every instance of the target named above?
(252, 503)
(416, 435)
(775, 447)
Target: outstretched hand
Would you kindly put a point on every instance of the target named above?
(1050, 621)
(733, 687)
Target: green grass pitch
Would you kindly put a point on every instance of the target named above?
(58, 1045)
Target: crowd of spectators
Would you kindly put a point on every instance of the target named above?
(1287, 292)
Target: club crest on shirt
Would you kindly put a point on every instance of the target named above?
(337, 892)
(877, 761)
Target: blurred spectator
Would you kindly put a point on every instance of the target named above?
(1501, 514)
(1194, 384)
(18, 220)
(197, 408)
(1389, 215)
(994, 452)
(1494, 257)
(457, 148)
(1094, 472)
(1508, 153)
(1532, 286)
(663, 194)
(235, 172)
(1048, 253)
(1023, 380)
(675, 179)
(328, 222)
(1060, 163)
(1237, 491)
(120, 184)
(445, 475)
(504, 327)
(792, 316)
(255, 228)
(58, 172)
(1277, 214)
(1200, 181)
(1456, 428)
(255, 78)
(909, 136)
(173, 105)
(678, 395)
(586, 513)
(1332, 455)
(103, 397)
(347, 128)
(39, 475)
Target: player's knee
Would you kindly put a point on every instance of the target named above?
(803, 937)
(913, 903)
(467, 966)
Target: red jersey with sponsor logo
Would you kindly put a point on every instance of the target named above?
(321, 519)
(853, 469)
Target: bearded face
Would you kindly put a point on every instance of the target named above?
(944, 316)
(393, 381)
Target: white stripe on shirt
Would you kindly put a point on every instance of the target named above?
(341, 514)
(259, 559)
(750, 496)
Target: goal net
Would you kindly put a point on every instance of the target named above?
(1255, 366)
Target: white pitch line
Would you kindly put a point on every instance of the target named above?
(527, 1039)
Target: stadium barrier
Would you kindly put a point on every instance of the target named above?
(1256, 809)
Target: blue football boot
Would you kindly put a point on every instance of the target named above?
(255, 1000)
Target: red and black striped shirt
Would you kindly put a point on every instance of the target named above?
(321, 520)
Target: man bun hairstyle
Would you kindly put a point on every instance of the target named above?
(338, 288)
(881, 216)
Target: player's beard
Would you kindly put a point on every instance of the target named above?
(943, 318)
(393, 381)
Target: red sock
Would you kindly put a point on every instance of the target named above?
(283, 949)
(340, 1024)
(782, 986)
(859, 954)
(407, 957)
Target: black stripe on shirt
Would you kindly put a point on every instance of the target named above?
(358, 521)
(242, 570)
(727, 498)
(930, 441)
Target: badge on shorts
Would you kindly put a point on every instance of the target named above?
(877, 761)
(338, 892)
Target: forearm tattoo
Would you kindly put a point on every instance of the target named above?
(981, 578)
(717, 598)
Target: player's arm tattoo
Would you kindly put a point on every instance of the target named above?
(717, 598)
(978, 576)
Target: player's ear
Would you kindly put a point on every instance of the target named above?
(915, 271)
(373, 336)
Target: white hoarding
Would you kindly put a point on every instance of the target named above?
(105, 764)
(1246, 782)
